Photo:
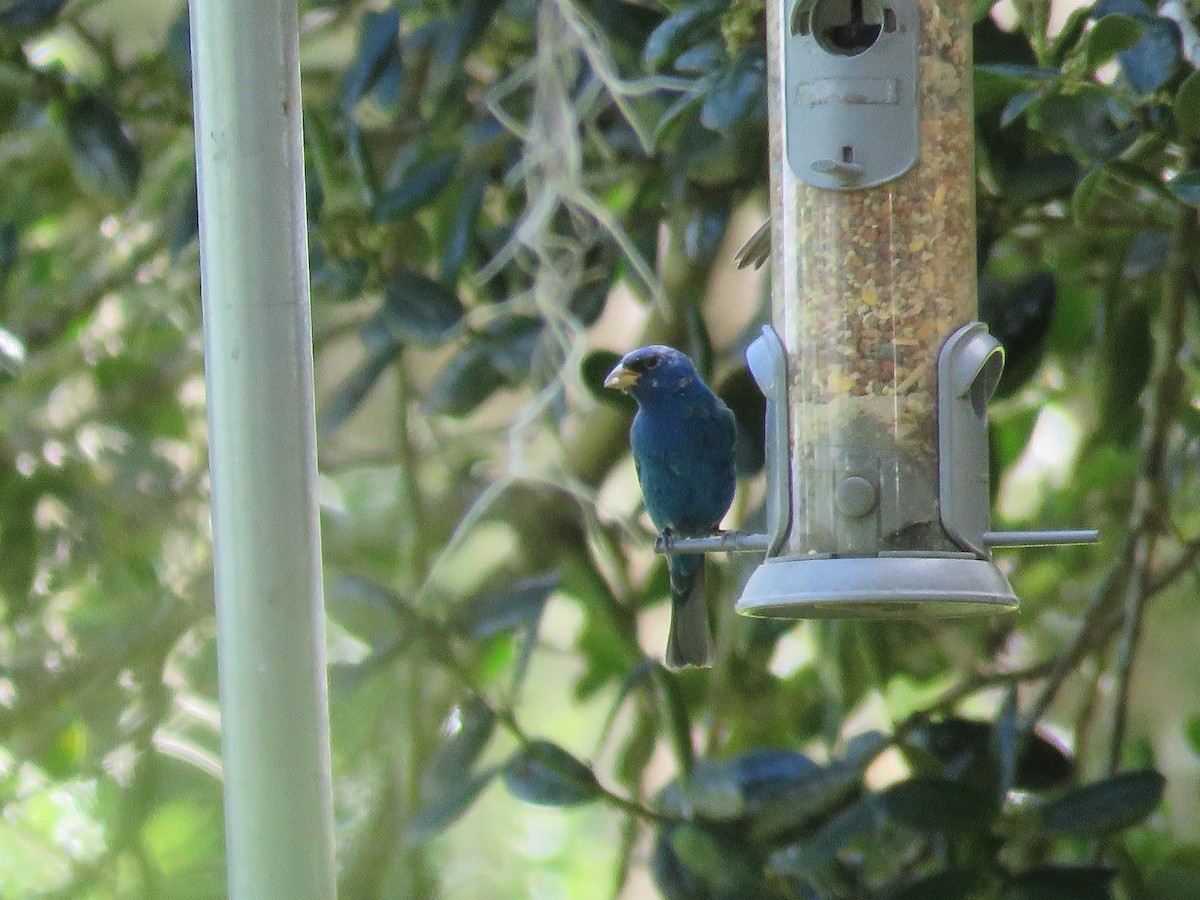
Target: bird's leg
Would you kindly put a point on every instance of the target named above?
(666, 541)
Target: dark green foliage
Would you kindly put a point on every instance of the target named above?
(103, 149)
(545, 774)
(1062, 883)
(742, 395)
(451, 783)
(1019, 315)
(939, 806)
(417, 308)
(1102, 807)
(419, 187)
(28, 14)
(378, 62)
(521, 604)
(466, 381)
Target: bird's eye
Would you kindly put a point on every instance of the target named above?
(652, 361)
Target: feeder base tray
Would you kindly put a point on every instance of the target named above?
(888, 587)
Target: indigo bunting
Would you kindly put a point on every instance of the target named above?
(682, 440)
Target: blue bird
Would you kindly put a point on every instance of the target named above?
(682, 440)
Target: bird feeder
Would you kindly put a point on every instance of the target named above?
(876, 372)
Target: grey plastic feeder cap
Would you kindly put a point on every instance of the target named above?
(884, 587)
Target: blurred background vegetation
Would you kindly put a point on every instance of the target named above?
(503, 196)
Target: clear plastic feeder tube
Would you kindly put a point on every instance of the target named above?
(871, 280)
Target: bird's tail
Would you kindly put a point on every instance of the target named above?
(689, 642)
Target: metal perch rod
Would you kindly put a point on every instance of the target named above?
(745, 542)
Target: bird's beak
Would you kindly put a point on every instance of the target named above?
(621, 378)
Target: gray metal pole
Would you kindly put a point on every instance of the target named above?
(262, 446)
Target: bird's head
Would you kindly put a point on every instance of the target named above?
(651, 371)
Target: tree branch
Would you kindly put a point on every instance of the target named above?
(1152, 498)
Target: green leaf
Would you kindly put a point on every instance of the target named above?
(1089, 192)
(1149, 251)
(179, 49)
(940, 806)
(378, 51)
(364, 590)
(704, 230)
(102, 147)
(466, 382)
(1004, 742)
(1039, 178)
(485, 144)
(472, 726)
(1062, 882)
(636, 750)
(686, 102)
(511, 343)
(1109, 36)
(995, 84)
(1071, 34)
(521, 604)
(1125, 367)
(803, 799)
(1017, 105)
(739, 92)
(674, 880)
(419, 309)
(351, 393)
(462, 227)
(185, 226)
(1087, 122)
(948, 885)
(1104, 806)
(701, 59)
(1152, 62)
(1187, 106)
(689, 25)
(711, 792)
(441, 810)
(767, 773)
(421, 186)
(547, 775)
(347, 677)
(809, 855)
(723, 863)
(456, 36)
(715, 159)
(1042, 765)
(1186, 186)
(779, 789)
(28, 14)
